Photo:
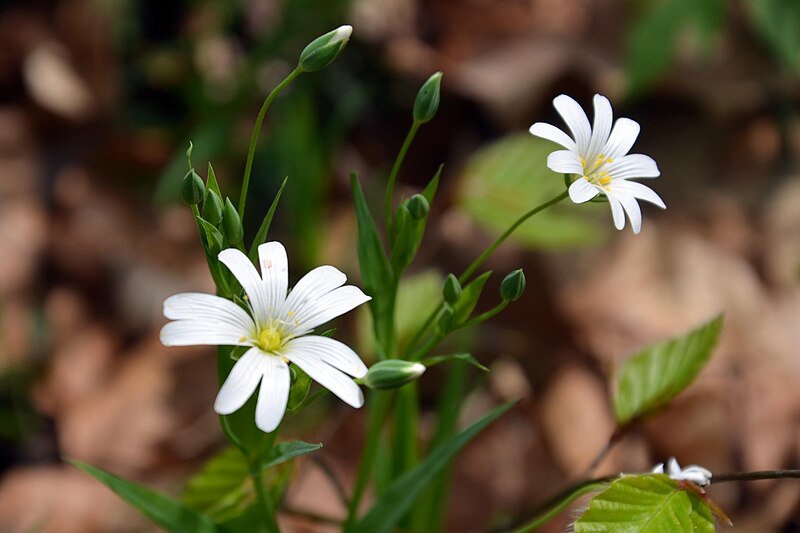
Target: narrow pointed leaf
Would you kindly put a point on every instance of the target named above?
(654, 376)
(462, 357)
(469, 298)
(650, 503)
(403, 492)
(211, 181)
(168, 513)
(261, 236)
(433, 185)
(286, 451)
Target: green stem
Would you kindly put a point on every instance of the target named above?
(755, 476)
(248, 167)
(562, 501)
(479, 261)
(483, 317)
(264, 501)
(395, 170)
(378, 409)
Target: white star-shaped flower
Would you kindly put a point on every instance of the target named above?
(276, 327)
(696, 474)
(597, 156)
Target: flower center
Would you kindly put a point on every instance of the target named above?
(269, 339)
(593, 172)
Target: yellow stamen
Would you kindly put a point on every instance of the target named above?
(605, 180)
(269, 339)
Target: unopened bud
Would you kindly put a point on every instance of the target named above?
(392, 373)
(513, 286)
(231, 223)
(418, 206)
(446, 318)
(451, 290)
(323, 50)
(192, 188)
(212, 207)
(427, 103)
(213, 238)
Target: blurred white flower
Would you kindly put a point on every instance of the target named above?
(597, 157)
(276, 327)
(696, 474)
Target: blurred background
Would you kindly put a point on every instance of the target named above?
(98, 100)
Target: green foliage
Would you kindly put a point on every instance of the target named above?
(376, 272)
(212, 207)
(286, 451)
(778, 22)
(650, 503)
(170, 514)
(300, 388)
(469, 298)
(459, 357)
(654, 36)
(213, 238)
(654, 376)
(232, 224)
(405, 490)
(222, 489)
(506, 179)
(261, 236)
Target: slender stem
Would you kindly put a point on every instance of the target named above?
(248, 167)
(331, 475)
(309, 515)
(395, 170)
(378, 409)
(483, 317)
(755, 476)
(264, 502)
(615, 437)
(479, 261)
(560, 502)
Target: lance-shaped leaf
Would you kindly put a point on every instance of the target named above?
(286, 451)
(261, 236)
(170, 514)
(469, 298)
(404, 491)
(650, 503)
(463, 357)
(654, 376)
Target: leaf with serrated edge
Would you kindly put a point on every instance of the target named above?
(658, 373)
(649, 503)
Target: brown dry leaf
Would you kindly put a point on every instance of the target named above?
(60, 499)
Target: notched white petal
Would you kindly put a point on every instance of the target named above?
(551, 133)
(241, 382)
(249, 278)
(200, 306)
(622, 138)
(576, 120)
(273, 394)
(582, 191)
(331, 351)
(275, 273)
(565, 162)
(201, 333)
(331, 305)
(329, 377)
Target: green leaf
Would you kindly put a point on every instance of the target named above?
(286, 451)
(170, 514)
(404, 491)
(213, 238)
(650, 503)
(376, 271)
(778, 22)
(469, 298)
(261, 236)
(211, 181)
(222, 489)
(654, 376)
(433, 185)
(508, 178)
(408, 236)
(299, 390)
(463, 357)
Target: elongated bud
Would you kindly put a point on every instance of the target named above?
(231, 223)
(392, 373)
(451, 290)
(418, 206)
(192, 188)
(323, 50)
(213, 238)
(446, 318)
(427, 103)
(513, 286)
(212, 207)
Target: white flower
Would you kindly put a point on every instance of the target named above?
(598, 157)
(696, 474)
(276, 327)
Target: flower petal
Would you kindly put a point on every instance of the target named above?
(275, 273)
(317, 312)
(632, 208)
(202, 332)
(622, 138)
(582, 191)
(565, 162)
(617, 212)
(273, 394)
(633, 166)
(248, 277)
(576, 120)
(640, 191)
(333, 352)
(312, 287)
(551, 133)
(603, 120)
(200, 306)
(241, 382)
(324, 374)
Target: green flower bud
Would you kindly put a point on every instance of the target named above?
(418, 206)
(451, 290)
(231, 223)
(192, 188)
(427, 102)
(392, 373)
(513, 286)
(323, 50)
(446, 318)
(212, 207)
(213, 238)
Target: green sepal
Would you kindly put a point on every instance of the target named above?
(426, 103)
(192, 188)
(212, 238)
(212, 208)
(513, 285)
(451, 291)
(231, 223)
(392, 374)
(324, 49)
(211, 181)
(261, 235)
(299, 390)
